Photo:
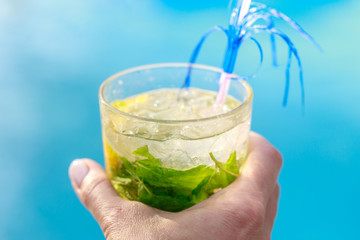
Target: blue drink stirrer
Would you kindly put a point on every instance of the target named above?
(246, 20)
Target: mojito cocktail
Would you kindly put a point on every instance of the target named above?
(168, 147)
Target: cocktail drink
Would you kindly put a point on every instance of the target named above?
(174, 134)
(172, 147)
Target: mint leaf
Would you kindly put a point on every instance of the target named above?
(201, 192)
(232, 166)
(125, 186)
(146, 180)
(144, 152)
(166, 200)
(226, 172)
(121, 181)
(167, 177)
(128, 167)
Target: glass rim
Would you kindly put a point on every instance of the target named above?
(236, 110)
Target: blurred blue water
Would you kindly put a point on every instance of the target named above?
(54, 55)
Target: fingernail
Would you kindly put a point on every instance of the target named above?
(77, 171)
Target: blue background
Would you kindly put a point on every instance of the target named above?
(54, 55)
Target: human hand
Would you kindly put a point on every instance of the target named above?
(246, 209)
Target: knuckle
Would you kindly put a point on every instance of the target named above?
(249, 216)
(255, 215)
(276, 156)
(254, 212)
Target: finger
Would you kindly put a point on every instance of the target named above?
(93, 188)
(271, 211)
(261, 169)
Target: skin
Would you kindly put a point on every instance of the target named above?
(244, 210)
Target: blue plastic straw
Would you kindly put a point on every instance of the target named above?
(244, 24)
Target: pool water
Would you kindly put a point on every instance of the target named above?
(54, 56)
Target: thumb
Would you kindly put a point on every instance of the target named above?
(93, 188)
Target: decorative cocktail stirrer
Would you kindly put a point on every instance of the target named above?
(245, 22)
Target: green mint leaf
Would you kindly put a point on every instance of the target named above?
(146, 180)
(144, 152)
(201, 192)
(167, 177)
(121, 180)
(126, 187)
(227, 172)
(165, 200)
(128, 167)
(232, 166)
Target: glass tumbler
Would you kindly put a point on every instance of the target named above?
(172, 164)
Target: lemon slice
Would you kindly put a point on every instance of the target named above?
(127, 105)
(111, 157)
